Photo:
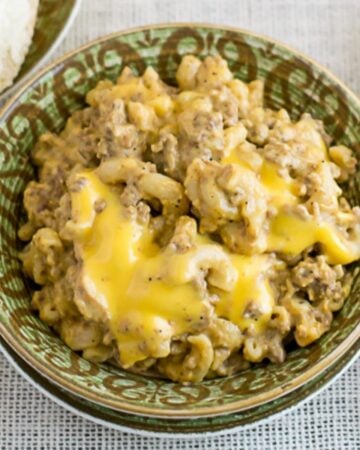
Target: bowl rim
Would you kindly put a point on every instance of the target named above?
(9, 92)
(64, 399)
(206, 411)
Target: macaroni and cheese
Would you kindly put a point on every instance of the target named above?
(188, 231)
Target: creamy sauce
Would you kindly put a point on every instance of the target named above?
(289, 233)
(252, 287)
(281, 192)
(132, 292)
(147, 294)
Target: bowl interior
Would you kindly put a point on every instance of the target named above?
(291, 81)
(53, 17)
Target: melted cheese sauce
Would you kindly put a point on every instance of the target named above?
(121, 274)
(251, 289)
(147, 294)
(144, 295)
(289, 233)
(281, 192)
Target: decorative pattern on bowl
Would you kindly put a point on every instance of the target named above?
(291, 81)
(182, 427)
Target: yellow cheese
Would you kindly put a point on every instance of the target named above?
(288, 233)
(148, 295)
(291, 234)
(252, 289)
(280, 191)
(114, 250)
(231, 156)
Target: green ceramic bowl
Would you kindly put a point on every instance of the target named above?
(52, 23)
(291, 81)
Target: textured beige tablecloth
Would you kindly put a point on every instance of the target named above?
(327, 30)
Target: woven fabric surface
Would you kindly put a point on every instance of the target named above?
(328, 31)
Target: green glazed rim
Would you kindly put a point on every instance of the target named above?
(291, 81)
(184, 427)
(52, 23)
